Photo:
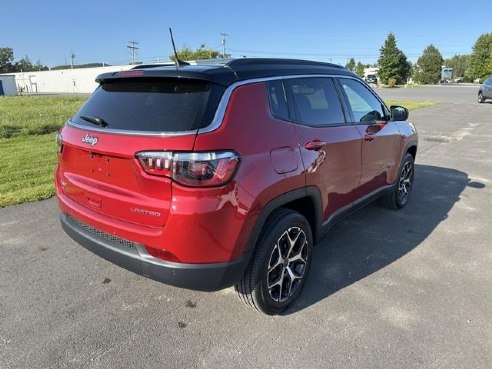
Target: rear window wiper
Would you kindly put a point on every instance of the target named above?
(94, 120)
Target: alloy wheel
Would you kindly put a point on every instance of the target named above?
(405, 182)
(287, 264)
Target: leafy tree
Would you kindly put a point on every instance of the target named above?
(429, 65)
(40, 66)
(459, 63)
(7, 60)
(392, 62)
(350, 64)
(359, 69)
(202, 52)
(24, 65)
(481, 58)
(7, 64)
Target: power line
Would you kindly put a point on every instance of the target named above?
(133, 47)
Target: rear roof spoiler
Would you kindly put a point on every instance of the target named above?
(226, 72)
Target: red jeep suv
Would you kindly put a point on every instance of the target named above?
(210, 176)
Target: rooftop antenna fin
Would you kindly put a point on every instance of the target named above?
(177, 62)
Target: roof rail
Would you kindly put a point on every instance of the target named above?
(279, 61)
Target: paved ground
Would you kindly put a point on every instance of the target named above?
(408, 289)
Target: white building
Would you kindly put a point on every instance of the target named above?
(7, 85)
(63, 81)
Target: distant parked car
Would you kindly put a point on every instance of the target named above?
(458, 79)
(443, 81)
(371, 78)
(485, 90)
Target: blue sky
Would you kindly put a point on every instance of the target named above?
(98, 31)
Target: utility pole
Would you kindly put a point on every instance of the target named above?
(72, 57)
(223, 42)
(133, 47)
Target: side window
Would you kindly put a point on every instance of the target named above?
(316, 101)
(365, 107)
(278, 102)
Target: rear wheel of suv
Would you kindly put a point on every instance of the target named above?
(480, 98)
(400, 194)
(280, 264)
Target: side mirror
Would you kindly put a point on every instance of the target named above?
(398, 113)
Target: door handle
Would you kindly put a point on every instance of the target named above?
(315, 145)
(369, 137)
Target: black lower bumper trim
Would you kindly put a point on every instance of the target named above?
(202, 277)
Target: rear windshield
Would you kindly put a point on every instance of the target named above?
(153, 105)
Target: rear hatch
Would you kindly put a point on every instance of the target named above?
(98, 167)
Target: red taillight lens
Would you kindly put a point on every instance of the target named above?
(157, 163)
(59, 142)
(191, 169)
(204, 169)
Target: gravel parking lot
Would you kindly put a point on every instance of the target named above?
(408, 289)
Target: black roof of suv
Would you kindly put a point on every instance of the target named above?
(232, 71)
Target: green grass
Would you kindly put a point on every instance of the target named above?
(26, 168)
(35, 115)
(27, 145)
(411, 105)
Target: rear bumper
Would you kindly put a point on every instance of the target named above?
(134, 257)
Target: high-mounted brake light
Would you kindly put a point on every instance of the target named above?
(130, 73)
(206, 169)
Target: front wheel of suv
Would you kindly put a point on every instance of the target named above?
(280, 264)
(400, 194)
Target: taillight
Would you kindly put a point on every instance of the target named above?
(59, 142)
(158, 163)
(204, 169)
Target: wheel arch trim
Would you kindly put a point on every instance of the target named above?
(311, 193)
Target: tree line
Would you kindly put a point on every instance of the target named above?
(395, 68)
(9, 65)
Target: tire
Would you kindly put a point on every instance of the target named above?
(481, 99)
(400, 194)
(283, 252)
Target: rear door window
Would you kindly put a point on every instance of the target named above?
(152, 105)
(316, 100)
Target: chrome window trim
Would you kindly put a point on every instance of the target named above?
(130, 133)
(219, 114)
